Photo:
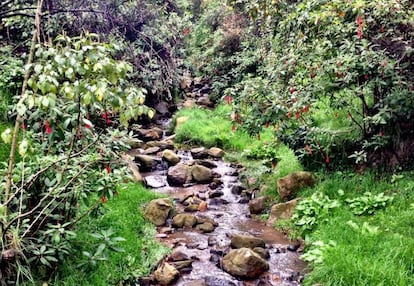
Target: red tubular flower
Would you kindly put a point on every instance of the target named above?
(105, 116)
(327, 160)
(87, 126)
(359, 32)
(289, 114)
(104, 199)
(267, 124)
(23, 126)
(48, 129)
(380, 134)
(233, 128)
(359, 20)
(292, 90)
(108, 169)
(228, 99)
(297, 114)
(306, 108)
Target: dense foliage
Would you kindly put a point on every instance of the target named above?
(333, 78)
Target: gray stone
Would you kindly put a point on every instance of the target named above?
(201, 174)
(171, 157)
(155, 181)
(151, 134)
(242, 241)
(205, 227)
(218, 281)
(184, 220)
(178, 175)
(263, 252)
(282, 211)
(258, 205)
(146, 162)
(216, 152)
(195, 283)
(289, 185)
(215, 194)
(151, 150)
(166, 274)
(199, 153)
(244, 263)
(157, 211)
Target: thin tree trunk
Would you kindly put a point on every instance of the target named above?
(19, 118)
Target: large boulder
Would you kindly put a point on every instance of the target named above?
(201, 174)
(157, 211)
(244, 263)
(132, 166)
(178, 175)
(258, 205)
(171, 157)
(289, 185)
(282, 211)
(166, 274)
(246, 241)
(184, 220)
(216, 152)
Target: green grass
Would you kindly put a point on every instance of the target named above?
(383, 256)
(142, 252)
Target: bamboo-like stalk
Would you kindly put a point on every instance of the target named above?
(19, 119)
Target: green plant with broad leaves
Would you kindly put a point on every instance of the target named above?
(316, 251)
(368, 203)
(311, 211)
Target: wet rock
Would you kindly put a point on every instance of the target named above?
(178, 175)
(257, 206)
(216, 152)
(206, 227)
(282, 211)
(195, 283)
(163, 145)
(152, 134)
(294, 246)
(157, 211)
(184, 220)
(213, 185)
(263, 252)
(211, 241)
(204, 219)
(218, 281)
(289, 185)
(215, 194)
(205, 101)
(191, 208)
(199, 153)
(244, 263)
(162, 108)
(180, 265)
(202, 207)
(171, 157)
(178, 255)
(146, 281)
(201, 174)
(151, 150)
(166, 274)
(244, 200)
(218, 201)
(246, 241)
(155, 181)
(206, 163)
(146, 162)
(237, 189)
(181, 120)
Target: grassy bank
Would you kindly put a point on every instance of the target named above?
(139, 250)
(359, 229)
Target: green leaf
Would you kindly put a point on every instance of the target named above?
(7, 136)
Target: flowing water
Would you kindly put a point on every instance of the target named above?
(232, 217)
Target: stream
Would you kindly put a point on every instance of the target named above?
(225, 203)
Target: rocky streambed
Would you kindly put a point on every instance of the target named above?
(209, 220)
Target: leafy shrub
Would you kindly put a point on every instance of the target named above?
(311, 211)
(369, 203)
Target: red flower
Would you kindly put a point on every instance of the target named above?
(384, 63)
(359, 32)
(382, 29)
(306, 108)
(267, 124)
(292, 90)
(233, 128)
(186, 31)
(366, 77)
(87, 126)
(108, 169)
(327, 160)
(380, 134)
(289, 114)
(104, 199)
(48, 129)
(309, 149)
(297, 114)
(105, 116)
(359, 20)
(23, 126)
(228, 99)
